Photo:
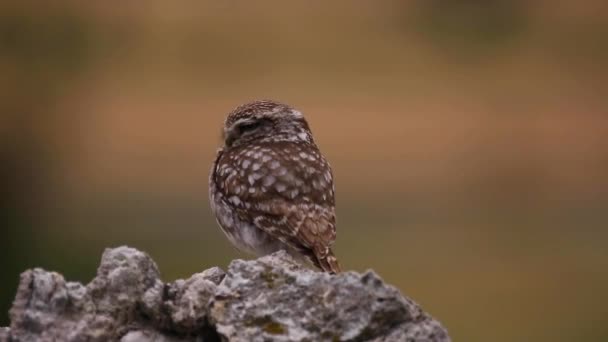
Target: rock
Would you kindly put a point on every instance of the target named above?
(4, 334)
(150, 335)
(268, 299)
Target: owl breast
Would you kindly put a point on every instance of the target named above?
(243, 235)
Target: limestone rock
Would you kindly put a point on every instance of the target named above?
(268, 299)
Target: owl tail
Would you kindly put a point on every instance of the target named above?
(327, 261)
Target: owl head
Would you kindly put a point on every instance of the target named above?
(265, 121)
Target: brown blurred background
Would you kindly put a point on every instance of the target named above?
(469, 140)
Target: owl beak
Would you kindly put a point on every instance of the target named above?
(229, 136)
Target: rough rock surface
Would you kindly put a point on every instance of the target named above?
(268, 299)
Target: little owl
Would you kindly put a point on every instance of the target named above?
(271, 188)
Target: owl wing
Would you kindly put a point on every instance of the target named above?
(307, 228)
(286, 189)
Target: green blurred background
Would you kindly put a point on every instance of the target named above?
(469, 141)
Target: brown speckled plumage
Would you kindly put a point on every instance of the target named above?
(270, 186)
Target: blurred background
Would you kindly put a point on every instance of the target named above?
(469, 141)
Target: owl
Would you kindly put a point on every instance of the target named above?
(270, 187)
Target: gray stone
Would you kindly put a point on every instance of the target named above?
(269, 299)
(4, 334)
(273, 298)
(150, 335)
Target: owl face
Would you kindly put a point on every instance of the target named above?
(265, 121)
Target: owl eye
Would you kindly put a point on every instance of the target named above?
(248, 127)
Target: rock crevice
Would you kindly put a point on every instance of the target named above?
(268, 299)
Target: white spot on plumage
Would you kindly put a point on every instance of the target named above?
(289, 178)
(293, 193)
(316, 184)
(269, 180)
(280, 187)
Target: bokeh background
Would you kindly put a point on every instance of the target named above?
(469, 141)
